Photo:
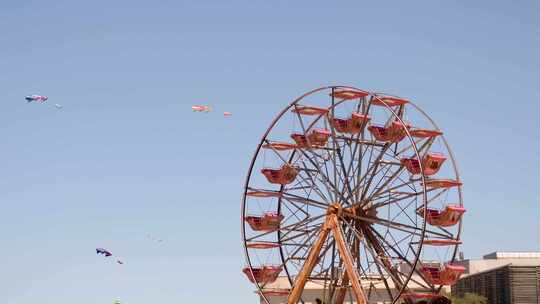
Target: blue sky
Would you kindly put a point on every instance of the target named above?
(126, 157)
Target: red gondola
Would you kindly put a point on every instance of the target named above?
(307, 110)
(431, 163)
(263, 274)
(341, 125)
(389, 100)
(269, 221)
(283, 176)
(450, 216)
(394, 132)
(348, 94)
(446, 275)
(353, 125)
(411, 164)
(317, 137)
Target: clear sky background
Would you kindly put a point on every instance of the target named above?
(127, 157)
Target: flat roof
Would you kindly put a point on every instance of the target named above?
(513, 255)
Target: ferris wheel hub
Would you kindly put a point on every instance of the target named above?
(335, 208)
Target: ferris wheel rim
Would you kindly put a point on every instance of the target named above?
(408, 135)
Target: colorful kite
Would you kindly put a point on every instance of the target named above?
(105, 252)
(199, 108)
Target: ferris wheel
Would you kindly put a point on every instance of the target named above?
(355, 196)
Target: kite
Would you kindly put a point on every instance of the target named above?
(105, 252)
(36, 98)
(199, 108)
(40, 99)
(119, 262)
(227, 114)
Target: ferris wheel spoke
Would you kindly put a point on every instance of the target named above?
(396, 194)
(378, 185)
(304, 222)
(299, 233)
(389, 180)
(359, 236)
(326, 181)
(299, 208)
(303, 245)
(290, 197)
(409, 146)
(409, 184)
(376, 262)
(325, 178)
(307, 234)
(396, 243)
(424, 147)
(299, 187)
(449, 234)
(359, 140)
(381, 257)
(288, 228)
(309, 184)
(383, 275)
(421, 275)
(276, 152)
(372, 171)
(293, 214)
(395, 225)
(303, 200)
(406, 228)
(310, 180)
(402, 211)
(362, 184)
(382, 189)
(337, 149)
(357, 171)
(359, 175)
(356, 175)
(436, 196)
(398, 199)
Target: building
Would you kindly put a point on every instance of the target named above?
(503, 278)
